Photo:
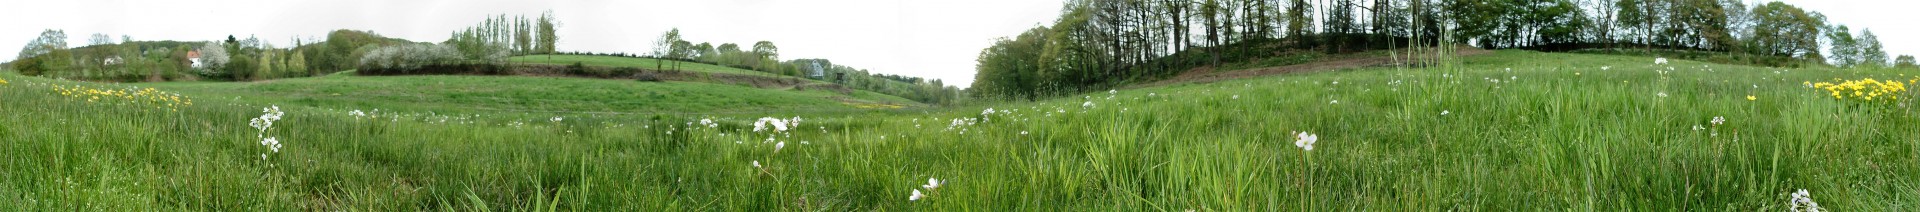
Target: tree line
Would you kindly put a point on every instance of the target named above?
(1099, 44)
(764, 56)
(235, 59)
(486, 45)
(129, 60)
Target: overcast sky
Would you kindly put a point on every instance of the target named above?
(924, 38)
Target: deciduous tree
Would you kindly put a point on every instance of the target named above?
(1784, 30)
(664, 49)
(547, 38)
(765, 55)
(1905, 62)
(1872, 53)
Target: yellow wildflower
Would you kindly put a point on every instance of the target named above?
(1864, 90)
(1750, 98)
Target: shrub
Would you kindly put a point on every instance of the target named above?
(645, 76)
(408, 58)
(213, 58)
(30, 66)
(577, 68)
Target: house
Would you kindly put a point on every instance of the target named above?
(818, 72)
(193, 59)
(115, 60)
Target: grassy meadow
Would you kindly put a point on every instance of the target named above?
(502, 94)
(1509, 131)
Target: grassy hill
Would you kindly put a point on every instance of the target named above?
(483, 94)
(612, 61)
(862, 80)
(1511, 130)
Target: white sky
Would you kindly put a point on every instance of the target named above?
(922, 38)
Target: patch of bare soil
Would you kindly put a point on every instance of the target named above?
(1207, 74)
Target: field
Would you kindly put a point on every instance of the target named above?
(546, 95)
(1507, 131)
(612, 61)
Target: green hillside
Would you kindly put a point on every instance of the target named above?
(1506, 131)
(612, 61)
(483, 94)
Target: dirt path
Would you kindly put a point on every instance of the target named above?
(1207, 74)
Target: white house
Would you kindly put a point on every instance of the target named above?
(817, 72)
(194, 58)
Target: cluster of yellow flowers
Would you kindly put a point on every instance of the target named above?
(1865, 90)
(3, 81)
(144, 97)
(873, 105)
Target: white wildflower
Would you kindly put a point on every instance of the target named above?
(1803, 201)
(1604, 68)
(1660, 61)
(1661, 94)
(1023, 132)
(558, 119)
(778, 146)
(756, 164)
(265, 121)
(1089, 104)
(1717, 121)
(1236, 96)
(1697, 127)
(1305, 140)
(956, 124)
(1445, 112)
(274, 110)
(271, 143)
(760, 125)
(778, 124)
(931, 184)
(989, 111)
(260, 123)
(916, 195)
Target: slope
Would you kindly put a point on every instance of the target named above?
(1511, 130)
(646, 63)
(481, 94)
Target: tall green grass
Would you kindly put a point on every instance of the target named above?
(1554, 133)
